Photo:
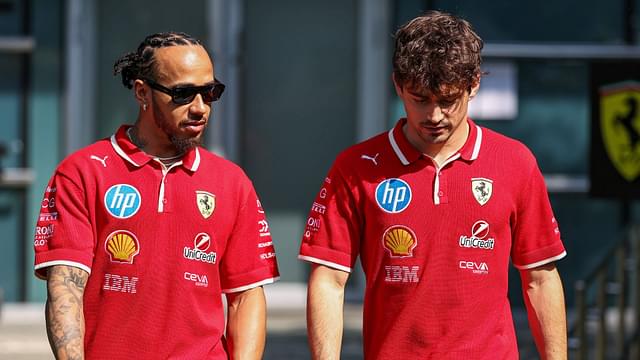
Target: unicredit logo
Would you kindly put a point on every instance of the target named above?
(201, 244)
(477, 240)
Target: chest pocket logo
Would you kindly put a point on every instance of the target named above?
(482, 189)
(122, 201)
(393, 195)
(206, 203)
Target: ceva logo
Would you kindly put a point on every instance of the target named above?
(200, 280)
(476, 268)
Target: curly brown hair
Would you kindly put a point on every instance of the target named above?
(437, 52)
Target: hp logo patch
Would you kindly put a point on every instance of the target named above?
(393, 195)
(122, 201)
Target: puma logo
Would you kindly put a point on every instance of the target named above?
(367, 157)
(103, 161)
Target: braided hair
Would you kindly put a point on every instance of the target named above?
(141, 63)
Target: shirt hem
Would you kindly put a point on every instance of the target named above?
(58, 262)
(325, 263)
(253, 285)
(541, 262)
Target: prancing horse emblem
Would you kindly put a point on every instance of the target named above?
(482, 189)
(206, 203)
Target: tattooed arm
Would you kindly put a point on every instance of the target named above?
(65, 319)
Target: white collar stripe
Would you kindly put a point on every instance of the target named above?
(196, 162)
(396, 149)
(121, 152)
(476, 147)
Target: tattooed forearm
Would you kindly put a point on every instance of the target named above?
(65, 320)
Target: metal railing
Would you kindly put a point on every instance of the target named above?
(607, 303)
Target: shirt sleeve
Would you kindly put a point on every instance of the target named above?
(536, 233)
(63, 235)
(249, 259)
(333, 229)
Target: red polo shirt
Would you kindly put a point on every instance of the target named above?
(434, 243)
(161, 246)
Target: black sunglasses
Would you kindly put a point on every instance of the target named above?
(182, 95)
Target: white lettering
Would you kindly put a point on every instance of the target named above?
(48, 216)
(404, 274)
(323, 193)
(264, 227)
(44, 232)
(200, 280)
(313, 225)
(48, 203)
(120, 283)
(268, 255)
(476, 268)
(476, 243)
(195, 254)
(319, 208)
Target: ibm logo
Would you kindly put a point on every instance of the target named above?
(393, 195)
(122, 201)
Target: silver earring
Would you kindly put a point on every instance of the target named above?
(144, 107)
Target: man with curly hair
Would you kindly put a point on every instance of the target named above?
(141, 234)
(436, 208)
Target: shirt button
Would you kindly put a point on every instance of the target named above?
(164, 201)
(440, 193)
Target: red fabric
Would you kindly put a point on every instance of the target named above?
(436, 286)
(161, 298)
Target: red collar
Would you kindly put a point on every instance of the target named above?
(131, 153)
(407, 153)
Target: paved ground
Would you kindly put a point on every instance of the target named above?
(22, 335)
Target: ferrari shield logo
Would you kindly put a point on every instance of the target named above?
(482, 189)
(206, 203)
(620, 125)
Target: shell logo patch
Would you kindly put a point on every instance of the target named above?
(122, 246)
(206, 203)
(399, 241)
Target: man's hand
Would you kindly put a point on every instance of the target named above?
(325, 306)
(544, 297)
(64, 316)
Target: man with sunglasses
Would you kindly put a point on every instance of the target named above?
(141, 234)
(436, 208)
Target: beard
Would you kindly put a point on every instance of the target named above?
(182, 145)
(181, 142)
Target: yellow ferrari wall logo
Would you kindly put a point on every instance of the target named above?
(620, 125)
